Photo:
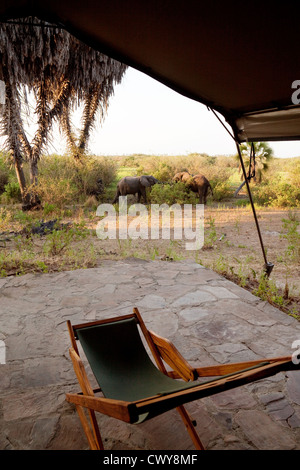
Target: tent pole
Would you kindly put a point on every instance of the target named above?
(268, 266)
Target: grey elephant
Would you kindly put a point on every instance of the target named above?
(134, 185)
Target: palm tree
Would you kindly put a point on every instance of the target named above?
(258, 165)
(94, 95)
(95, 101)
(38, 57)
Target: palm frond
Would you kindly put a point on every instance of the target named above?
(61, 72)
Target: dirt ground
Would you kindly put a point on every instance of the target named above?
(231, 246)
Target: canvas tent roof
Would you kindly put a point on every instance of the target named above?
(238, 58)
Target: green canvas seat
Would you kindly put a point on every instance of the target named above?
(121, 365)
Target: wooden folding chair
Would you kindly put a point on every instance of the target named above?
(134, 389)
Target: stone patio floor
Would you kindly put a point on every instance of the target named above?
(209, 319)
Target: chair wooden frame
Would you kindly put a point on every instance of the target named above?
(164, 354)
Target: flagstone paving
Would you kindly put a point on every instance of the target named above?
(210, 320)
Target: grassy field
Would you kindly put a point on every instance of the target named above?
(231, 245)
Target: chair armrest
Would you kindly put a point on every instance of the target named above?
(173, 358)
(231, 368)
(119, 409)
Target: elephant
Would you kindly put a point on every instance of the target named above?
(183, 176)
(134, 185)
(197, 183)
(200, 185)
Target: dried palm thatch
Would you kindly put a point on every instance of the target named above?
(94, 101)
(61, 72)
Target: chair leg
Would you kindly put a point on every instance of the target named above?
(96, 431)
(190, 427)
(93, 436)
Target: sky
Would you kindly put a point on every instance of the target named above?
(146, 117)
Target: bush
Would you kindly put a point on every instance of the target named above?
(6, 172)
(59, 192)
(12, 192)
(221, 190)
(91, 170)
(6, 218)
(3, 177)
(288, 196)
(172, 194)
(55, 167)
(161, 168)
(63, 181)
(291, 234)
(276, 192)
(295, 175)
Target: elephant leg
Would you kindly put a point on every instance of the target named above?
(143, 192)
(116, 197)
(138, 196)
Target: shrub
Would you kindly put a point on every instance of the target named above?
(4, 174)
(221, 189)
(277, 192)
(6, 218)
(63, 181)
(89, 171)
(6, 171)
(172, 194)
(291, 234)
(59, 191)
(164, 173)
(12, 192)
(160, 167)
(288, 196)
(49, 208)
(295, 175)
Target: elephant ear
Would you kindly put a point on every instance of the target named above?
(145, 181)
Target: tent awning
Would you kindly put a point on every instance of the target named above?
(269, 125)
(240, 59)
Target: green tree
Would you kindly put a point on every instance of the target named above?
(256, 167)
